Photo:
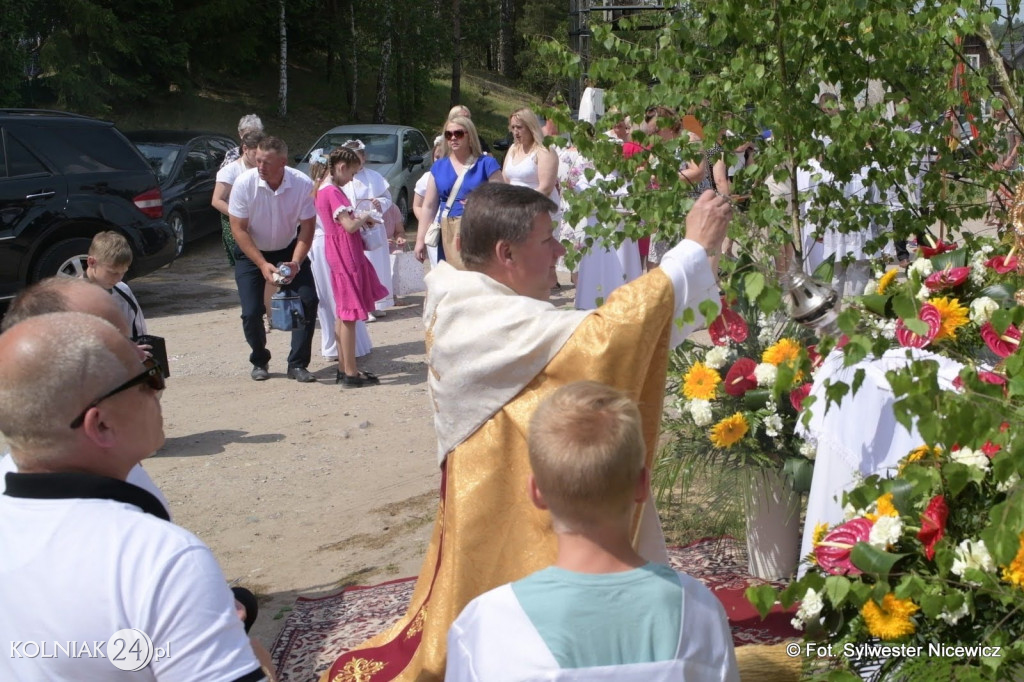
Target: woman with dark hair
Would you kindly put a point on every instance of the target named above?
(452, 178)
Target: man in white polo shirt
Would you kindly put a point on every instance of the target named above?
(272, 220)
(85, 554)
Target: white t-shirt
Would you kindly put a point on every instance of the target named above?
(80, 568)
(137, 476)
(130, 308)
(229, 173)
(273, 215)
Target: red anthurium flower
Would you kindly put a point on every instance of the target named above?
(833, 552)
(815, 356)
(1002, 264)
(843, 340)
(990, 449)
(941, 247)
(933, 524)
(728, 325)
(1003, 345)
(740, 377)
(947, 279)
(987, 377)
(797, 395)
(908, 339)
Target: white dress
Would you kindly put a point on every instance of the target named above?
(369, 184)
(603, 268)
(524, 173)
(325, 309)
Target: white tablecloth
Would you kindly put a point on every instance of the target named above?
(860, 436)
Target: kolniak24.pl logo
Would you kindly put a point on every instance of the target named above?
(127, 649)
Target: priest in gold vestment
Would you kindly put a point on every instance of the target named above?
(496, 347)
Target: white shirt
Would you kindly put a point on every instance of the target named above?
(79, 568)
(137, 476)
(229, 173)
(273, 215)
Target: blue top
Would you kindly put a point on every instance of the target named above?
(596, 619)
(445, 175)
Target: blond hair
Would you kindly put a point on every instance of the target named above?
(587, 453)
(111, 249)
(474, 139)
(532, 123)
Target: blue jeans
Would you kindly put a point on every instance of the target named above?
(251, 283)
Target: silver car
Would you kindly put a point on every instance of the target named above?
(400, 153)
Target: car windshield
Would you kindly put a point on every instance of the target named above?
(160, 156)
(380, 147)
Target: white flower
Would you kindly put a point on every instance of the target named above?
(987, 249)
(809, 449)
(888, 329)
(923, 293)
(978, 272)
(765, 336)
(700, 410)
(885, 531)
(982, 309)
(850, 513)
(972, 458)
(773, 426)
(717, 357)
(1008, 485)
(972, 554)
(810, 608)
(765, 374)
(922, 266)
(952, 618)
(871, 288)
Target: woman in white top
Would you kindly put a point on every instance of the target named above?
(420, 191)
(369, 185)
(528, 162)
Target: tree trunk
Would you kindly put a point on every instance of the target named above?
(354, 80)
(282, 93)
(457, 55)
(381, 105)
(507, 39)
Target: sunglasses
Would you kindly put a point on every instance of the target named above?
(152, 376)
(454, 134)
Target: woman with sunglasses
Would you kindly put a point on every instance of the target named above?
(452, 178)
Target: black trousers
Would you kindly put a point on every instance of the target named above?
(251, 283)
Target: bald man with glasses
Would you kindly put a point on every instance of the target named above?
(79, 410)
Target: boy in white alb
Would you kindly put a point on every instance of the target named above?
(601, 612)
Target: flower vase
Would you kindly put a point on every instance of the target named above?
(773, 524)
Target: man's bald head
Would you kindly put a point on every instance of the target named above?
(54, 365)
(64, 295)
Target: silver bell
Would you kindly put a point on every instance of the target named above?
(810, 302)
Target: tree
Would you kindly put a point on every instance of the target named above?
(282, 92)
(380, 106)
(456, 92)
(507, 39)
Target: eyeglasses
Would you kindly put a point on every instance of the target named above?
(153, 377)
(456, 134)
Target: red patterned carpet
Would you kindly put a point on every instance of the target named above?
(318, 630)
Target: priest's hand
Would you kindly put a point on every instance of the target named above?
(707, 222)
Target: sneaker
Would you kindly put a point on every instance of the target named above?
(259, 373)
(301, 374)
(370, 317)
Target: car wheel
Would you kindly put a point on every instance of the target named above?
(66, 258)
(403, 206)
(177, 223)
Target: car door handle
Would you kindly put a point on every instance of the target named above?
(40, 195)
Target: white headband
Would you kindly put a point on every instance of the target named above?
(317, 156)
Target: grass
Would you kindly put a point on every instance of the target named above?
(315, 105)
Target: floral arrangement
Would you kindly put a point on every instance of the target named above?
(924, 577)
(744, 393)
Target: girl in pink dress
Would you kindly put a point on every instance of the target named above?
(353, 280)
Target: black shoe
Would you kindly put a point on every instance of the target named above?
(358, 381)
(301, 374)
(259, 373)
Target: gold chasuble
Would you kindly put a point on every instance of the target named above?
(487, 531)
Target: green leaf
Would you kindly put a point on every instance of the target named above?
(873, 560)
(753, 283)
(762, 597)
(878, 304)
(837, 588)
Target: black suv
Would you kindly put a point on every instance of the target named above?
(63, 178)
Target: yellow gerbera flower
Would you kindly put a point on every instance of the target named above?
(891, 619)
(820, 530)
(952, 316)
(883, 507)
(919, 453)
(886, 280)
(729, 431)
(1014, 573)
(701, 382)
(784, 350)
